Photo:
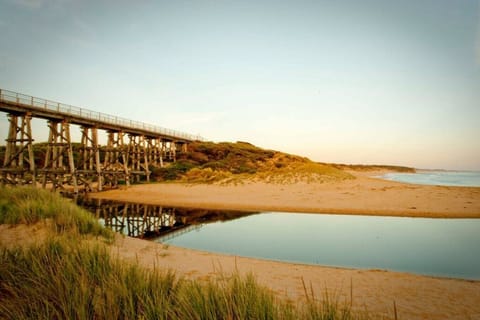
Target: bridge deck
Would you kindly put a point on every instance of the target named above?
(14, 102)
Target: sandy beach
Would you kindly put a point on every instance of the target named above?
(415, 296)
(364, 195)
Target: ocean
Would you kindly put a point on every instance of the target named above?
(438, 178)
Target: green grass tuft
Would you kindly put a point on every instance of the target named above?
(28, 205)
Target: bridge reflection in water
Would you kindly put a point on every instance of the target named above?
(153, 222)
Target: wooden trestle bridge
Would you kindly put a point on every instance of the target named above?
(132, 147)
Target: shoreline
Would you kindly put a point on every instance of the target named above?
(304, 264)
(416, 296)
(364, 195)
(307, 265)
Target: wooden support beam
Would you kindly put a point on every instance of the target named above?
(133, 156)
(115, 165)
(173, 151)
(138, 157)
(89, 168)
(145, 157)
(56, 171)
(181, 146)
(19, 162)
(168, 150)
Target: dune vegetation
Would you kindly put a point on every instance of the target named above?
(371, 167)
(226, 162)
(64, 279)
(28, 205)
(72, 275)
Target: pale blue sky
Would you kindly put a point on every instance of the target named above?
(372, 81)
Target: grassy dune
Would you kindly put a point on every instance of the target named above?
(65, 279)
(68, 277)
(208, 162)
(28, 205)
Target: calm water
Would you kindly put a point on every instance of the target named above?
(440, 247)
(440, 178)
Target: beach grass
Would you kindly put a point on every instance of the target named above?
(29, 205)
(66, 279)
(70, 275)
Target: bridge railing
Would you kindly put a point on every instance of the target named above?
(65, 109)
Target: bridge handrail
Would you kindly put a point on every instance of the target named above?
(19, 98)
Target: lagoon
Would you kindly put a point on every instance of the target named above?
(436, 247)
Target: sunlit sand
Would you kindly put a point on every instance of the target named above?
(415, 296)
(363, 195)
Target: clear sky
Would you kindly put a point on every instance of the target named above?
(371, 81)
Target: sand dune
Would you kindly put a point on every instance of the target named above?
(364, 195)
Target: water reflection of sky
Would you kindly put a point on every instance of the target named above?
(443, 247)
